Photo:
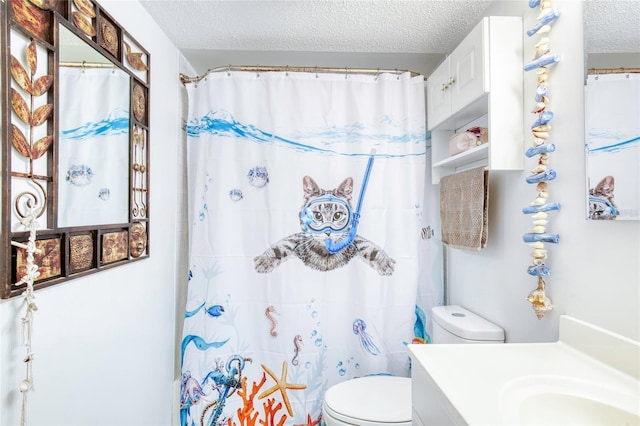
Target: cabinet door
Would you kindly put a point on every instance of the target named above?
(438, 98)
(468, 68)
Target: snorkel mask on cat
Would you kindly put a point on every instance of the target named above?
(348, 224)
(313, 221)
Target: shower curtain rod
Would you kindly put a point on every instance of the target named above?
(621, 70)
(85, 64)
(263, 68)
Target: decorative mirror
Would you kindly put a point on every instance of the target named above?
(75, 150)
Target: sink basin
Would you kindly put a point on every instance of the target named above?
(556, 400)
(590, 376)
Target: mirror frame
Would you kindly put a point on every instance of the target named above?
(76, 251)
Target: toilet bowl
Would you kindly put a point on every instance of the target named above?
(368, 401)
(386, 400)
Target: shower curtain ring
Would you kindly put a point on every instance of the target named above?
(286, 71)
(397, 74)
(346, 73)
(257, 71)
(229, 71)
(316, 71)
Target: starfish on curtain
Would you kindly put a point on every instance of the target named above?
(281, 385)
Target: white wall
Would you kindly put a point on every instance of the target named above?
(182, 233)
(104, 344)
(594, 269)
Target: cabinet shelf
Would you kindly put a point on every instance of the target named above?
(481, 83)
(469, 156)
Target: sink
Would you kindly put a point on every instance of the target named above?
(556, 400)
(590, 376)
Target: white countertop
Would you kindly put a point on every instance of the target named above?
(477, 378)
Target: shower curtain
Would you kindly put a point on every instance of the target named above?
(305, 208)
(612, 129)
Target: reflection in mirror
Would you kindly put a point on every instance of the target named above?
(93, 160)
(612, 146)
(612, 110)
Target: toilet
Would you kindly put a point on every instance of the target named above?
(368, 401)
(455, 324)
(385, 400)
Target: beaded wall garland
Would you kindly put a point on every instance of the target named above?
(541, 148)
(30, 223)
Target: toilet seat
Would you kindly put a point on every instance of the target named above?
(369, 401)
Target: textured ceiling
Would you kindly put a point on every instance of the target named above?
(612, 26)
(364, 26)
(379, 26)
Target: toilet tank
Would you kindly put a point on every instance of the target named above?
(455, 324)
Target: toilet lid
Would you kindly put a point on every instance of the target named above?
(371, 399)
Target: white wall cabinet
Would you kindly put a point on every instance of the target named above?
(459, 80)
(480, 84)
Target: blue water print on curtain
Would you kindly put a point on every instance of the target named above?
(329, 141)
(116, 123)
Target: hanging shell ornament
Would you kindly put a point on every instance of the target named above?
(538, 236)
(135, 59)
(539, 301)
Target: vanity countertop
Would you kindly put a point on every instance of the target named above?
(485, 383)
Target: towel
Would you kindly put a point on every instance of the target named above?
(464, 202)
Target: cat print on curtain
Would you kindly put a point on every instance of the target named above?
(329, 240)
(305, 199)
